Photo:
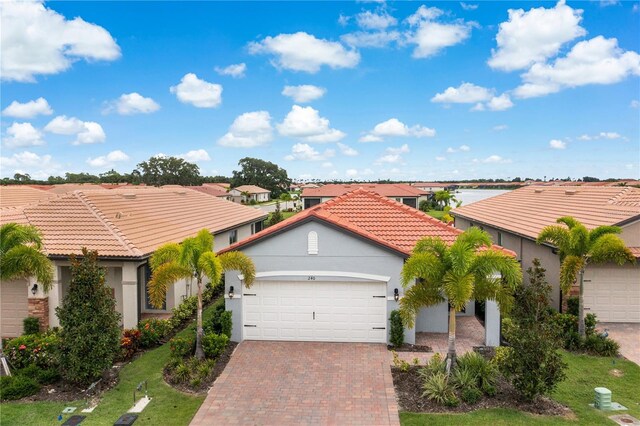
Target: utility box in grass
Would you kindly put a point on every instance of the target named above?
(603, 399)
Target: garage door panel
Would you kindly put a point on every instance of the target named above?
(344, 312)
(13, 307)
(613, 294)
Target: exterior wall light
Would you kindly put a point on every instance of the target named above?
(34, 289)
(396, 295)
(230, 292)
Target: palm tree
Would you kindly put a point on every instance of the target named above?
(469, 269)
(193, 258)
(578, 247)
(21, 255)
(443, 197)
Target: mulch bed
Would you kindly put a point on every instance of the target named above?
(221, 363)
(408, 387)
(407, 347)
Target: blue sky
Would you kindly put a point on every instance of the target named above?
(399, 90)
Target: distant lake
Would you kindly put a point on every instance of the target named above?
(468, 196)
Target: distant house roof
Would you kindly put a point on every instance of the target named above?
(385, 189)
(371, 216)
(216, 191)
(527, 210)
(432, 184)
(251, 189)
(19, 195)
(224, 185)
(127, 222)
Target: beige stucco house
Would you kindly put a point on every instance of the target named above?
(514, 220)
(125, 226)
(248, 193)
(400, 192)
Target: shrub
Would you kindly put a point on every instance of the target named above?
(400, 363)
(16, 387)
(573, 305)
(437, 388)
(221, 321)
(41, 350)
(90, 336)
(129, 343)
(42, 376)
(31, 325)
(471, 395)
(601, 346)
(484, 371)
(214, 344)
(396, 331)
(464, 378)
(435, 365)
(152, 331)
(184, 312)
(567, 328)
(500, 357)
(182, 373)
(181, 347)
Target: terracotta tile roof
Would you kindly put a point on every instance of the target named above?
(251, 189)
(372, 216)
(635, 251)
(19, 195)
(224, 185)
(126, 222)
(216, 191)
(526, 211)
(434, 184)
(385, 189)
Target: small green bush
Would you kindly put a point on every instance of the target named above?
(471, 395)
(573, 305)
(31, 325)
(500, 358)
(437, 388)
(181, 347)
(400, 363)
(152, 331)
(214, 344)
(435, 365)
(396, 331)
(42, 376)
(16, 387)
(464, 378)
(182, 373)
(484, 371)
(600, 346)
(220, 322)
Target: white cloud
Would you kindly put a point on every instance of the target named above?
(39, 167)
(557, 144)
(461, 148)
(439, 158)
(371, 39)
(195, 156)
(234, 70)
(347, 150)
(108, 160)
(375, 21)
(21, 135)
(634, 104)
(304, 52)
(500, 127)
(37, 40)
(87, 132)
(534, 36)
(493, 159)
(500, 103)
(351, 173)
(466, 93)
(601, 135)
(305, 152)
(468, 6)
(197, 92)
(28, 109)
(595, 61)
(306, 124)
(343, 20)
(304, 93)
(393, 155)
(132, 103)
(431, 37)
(249, 130)
(327, 164)
(396, 128)
(605, 3)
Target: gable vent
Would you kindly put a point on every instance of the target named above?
(312, 242)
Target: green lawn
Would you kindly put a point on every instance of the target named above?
(168, 406)
(584, 374)
(438, 214)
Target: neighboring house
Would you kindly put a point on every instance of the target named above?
(246, 193)
(402, 193)
(514, 220)
(214, 190)
(330, 273)
(125, 226)
(435, 186)
(19, 195)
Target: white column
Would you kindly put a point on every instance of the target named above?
(130, 300)
(491, 324)
(55, 297)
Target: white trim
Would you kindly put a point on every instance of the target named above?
(337, 274)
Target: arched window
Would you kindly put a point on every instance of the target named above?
(312, 242)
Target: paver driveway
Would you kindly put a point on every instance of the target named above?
(286, 383)
(627, 335)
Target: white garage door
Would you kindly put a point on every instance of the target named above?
(13, 307)
(613, 294)
(316, 311)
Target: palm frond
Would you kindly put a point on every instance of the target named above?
(426, 266)
(555, 235)
(167, 253)
(569, 221)
(569, 270)
(189, 254)
(13, 235)
(204, 239)
(163, 276)
(578, 240)
(460, 256)
(421, 294)
(238, 261)
(433, 245)
(596, 233)
(209, 264)
(458, 289)
(491, 262)
(26, 261)
(474, 237)
(610, 248)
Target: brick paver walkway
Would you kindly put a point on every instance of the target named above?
(627, 335)
(298, 383)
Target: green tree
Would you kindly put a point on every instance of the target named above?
(579, 247)
(21, 254)
(469, 269)
(264, 174)
(114, 177)
(276, 216)
(444, 198)
(90, 336)
(81, 178)
(159, 170)
(194, 258)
